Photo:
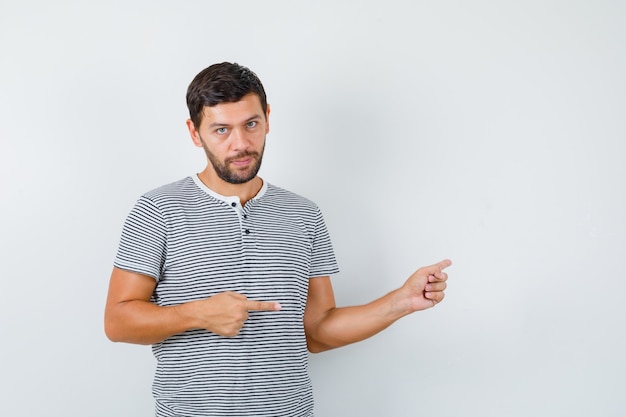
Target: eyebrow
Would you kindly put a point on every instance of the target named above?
(249, 119)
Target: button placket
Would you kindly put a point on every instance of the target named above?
(244, 222)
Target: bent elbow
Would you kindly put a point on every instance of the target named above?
(111, 332)
(114, 327)
(317, 347)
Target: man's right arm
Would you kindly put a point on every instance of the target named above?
(131, 317)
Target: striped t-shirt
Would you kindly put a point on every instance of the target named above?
(196, 243)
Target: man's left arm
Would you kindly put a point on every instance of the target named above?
(328, 326)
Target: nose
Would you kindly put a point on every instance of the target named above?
(239, 139)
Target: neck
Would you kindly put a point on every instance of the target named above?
(244, 191)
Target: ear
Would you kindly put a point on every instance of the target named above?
(195, 136)
(267, 120)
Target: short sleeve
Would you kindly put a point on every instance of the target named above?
(323, 261)
(143, 243)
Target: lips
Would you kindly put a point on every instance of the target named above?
(242, 160)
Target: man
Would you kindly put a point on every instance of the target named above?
(227, 276)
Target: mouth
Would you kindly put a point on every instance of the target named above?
(242, 160)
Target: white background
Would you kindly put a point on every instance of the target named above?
(492, 133)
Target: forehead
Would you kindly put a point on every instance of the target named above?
(231, 113)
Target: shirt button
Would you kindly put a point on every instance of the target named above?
(247, 231)
(245, 216)
(233, 204)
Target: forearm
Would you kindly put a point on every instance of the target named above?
(143, 322)
(345, 325)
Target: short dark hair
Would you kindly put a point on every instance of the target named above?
(222, 83)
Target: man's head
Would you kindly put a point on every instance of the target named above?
(229, 118)
(222, 83)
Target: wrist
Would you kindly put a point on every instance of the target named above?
(185, 316)
(398, 304)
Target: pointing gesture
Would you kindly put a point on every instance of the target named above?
(425, 287)
(226, 313)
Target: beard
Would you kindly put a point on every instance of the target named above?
(235, 176)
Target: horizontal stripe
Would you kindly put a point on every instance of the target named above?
(195, 245)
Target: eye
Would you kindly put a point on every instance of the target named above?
(221, 130)
(251, 124)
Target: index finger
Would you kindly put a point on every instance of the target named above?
(436, 269)
(253, 305)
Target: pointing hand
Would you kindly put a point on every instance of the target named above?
(425, 287)
(226, 313)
